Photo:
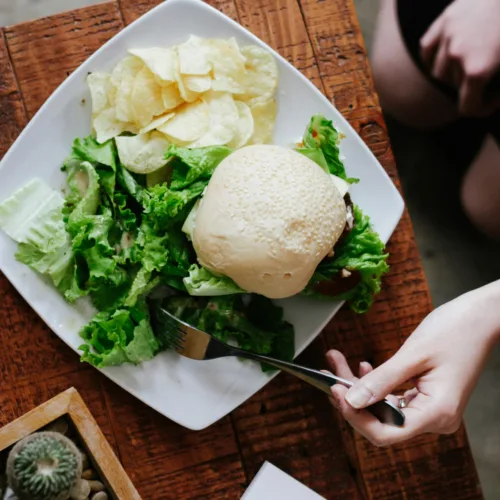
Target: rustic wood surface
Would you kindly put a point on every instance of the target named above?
(70, 404)
(287, 423)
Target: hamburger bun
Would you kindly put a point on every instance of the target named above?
(268, 217)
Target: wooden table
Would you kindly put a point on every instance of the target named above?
(287, 423)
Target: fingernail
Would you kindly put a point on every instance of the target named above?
(358, 396)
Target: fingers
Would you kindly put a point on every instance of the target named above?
(377, 384)
(429, 43)
(339, 365)
(417, 421)
(365, 368)
(442, 67)
(410, 395)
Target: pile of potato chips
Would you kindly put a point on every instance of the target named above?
(203, 92)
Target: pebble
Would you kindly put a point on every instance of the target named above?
(89, 474)
(100, 495)
(81, 490)
(96, 486)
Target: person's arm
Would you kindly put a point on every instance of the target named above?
(444, 357)
(462, 47)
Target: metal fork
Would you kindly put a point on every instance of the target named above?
(196, 344)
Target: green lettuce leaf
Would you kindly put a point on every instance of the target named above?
(103, 158)
(83, 197)
(202, 283)
(320, 133)
(123, 336)
(197, 164)
(363, 253)
(33, 215)
(143, 283)
(90, 150)
(316, 155)
(164, 206)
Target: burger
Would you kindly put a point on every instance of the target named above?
(277, 222)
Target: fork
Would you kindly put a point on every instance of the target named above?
(196, 344)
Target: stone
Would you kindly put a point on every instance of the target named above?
(89, 474)
(81, 490)
(96, 486)
(100, 495)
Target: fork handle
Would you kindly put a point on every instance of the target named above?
(384, 410)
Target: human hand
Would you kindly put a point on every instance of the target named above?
(443, 357)
(462, 47)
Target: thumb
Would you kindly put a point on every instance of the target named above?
(377, 384)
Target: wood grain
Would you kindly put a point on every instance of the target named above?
(46, 51)
(12, 113)
(133, 9)
(287, 422)
(152, 446)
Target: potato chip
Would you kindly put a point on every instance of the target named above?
(223, 115)
(171, 96)
(186, 94)
(228, 65)
(198, 84)
(193, 58)
(147, 99)
(244, 126)
(107, 126)
(189, 123)
(160, 61)
(157, 122)
(264, 118)
(99, 84)
(261, 78)
(111, 95)
(122, 77)
(142, 153)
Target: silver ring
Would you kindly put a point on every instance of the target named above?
(401, 402)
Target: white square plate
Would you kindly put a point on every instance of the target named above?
(272, 483)
(194, 394)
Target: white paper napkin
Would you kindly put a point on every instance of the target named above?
(271, 483)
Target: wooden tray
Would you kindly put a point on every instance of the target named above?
(70, 404)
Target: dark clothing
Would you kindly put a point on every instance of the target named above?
(415, 18)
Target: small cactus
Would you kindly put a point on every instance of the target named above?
(44, 466)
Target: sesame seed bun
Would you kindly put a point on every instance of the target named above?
(267, 219)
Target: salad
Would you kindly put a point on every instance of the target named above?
(117, 238)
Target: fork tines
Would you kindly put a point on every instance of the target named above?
(171, 328)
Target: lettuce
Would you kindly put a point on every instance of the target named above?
(316, 155)
(202, 283)
(191, 165)
(123, 336)
(362, 255)
(321, 134)
(32, 215)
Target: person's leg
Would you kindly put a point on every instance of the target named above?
(481, 190)
(405, 93)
